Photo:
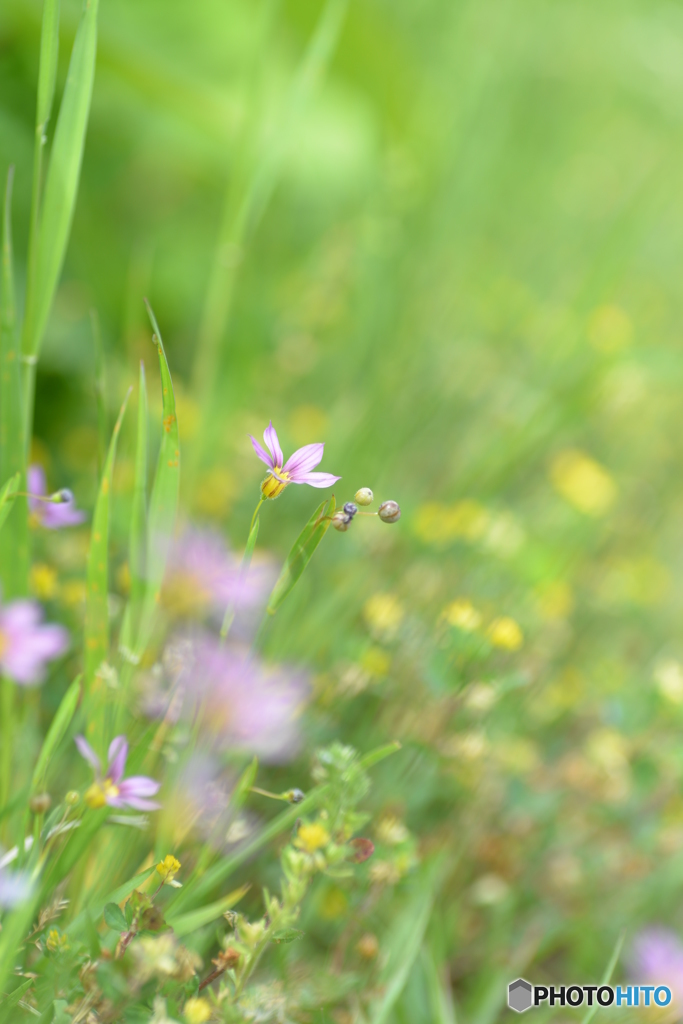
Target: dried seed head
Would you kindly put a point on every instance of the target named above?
(40, 803)
(364, 496)
(389, 512)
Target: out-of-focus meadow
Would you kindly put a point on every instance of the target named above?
(453, 251)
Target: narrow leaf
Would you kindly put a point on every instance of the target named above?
(100, 392)
(301, 553)
(609, 970)
(10, 1001)
(138, 526)
(185, 924)
(7, 497)
(96, 610)
(229, 616)
(49, 52)
(14, 542)
(61, 185)
(163, 506)
(56, 733)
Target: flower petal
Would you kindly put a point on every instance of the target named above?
(268, 459)
(118, 752)
(86, 751)
(271, 439)
(139, 785)
(36, 484)
(303, 461)
(136, 802)
(317, 479)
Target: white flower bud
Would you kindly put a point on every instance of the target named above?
(389, 512)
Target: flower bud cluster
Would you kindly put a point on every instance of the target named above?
(388, 512)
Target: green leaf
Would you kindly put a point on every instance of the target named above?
(185, 924)
(56, 733)
(609, 970)
(440, 998)
(7, 496)
(100, 393)
(114, 917)
(15, 926)
(14, 542)
(61, 184)
(96, 609)
(244, 569)
(49, 52)
(163, 506)
(96, 909)
(301, 553)
(10, 1001)
(288, 935)
(138, 526)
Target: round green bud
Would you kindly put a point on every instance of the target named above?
(72, 798)
(364, 496)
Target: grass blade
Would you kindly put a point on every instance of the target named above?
(7, 497)
(96, 609)
(138, 525)
(185, 924)
(61, 185)
(609, 970)
(301, 553)
(56, 733)
(100, 393)
(163, 506)
(14, 542)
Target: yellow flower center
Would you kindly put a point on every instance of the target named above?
(312, 837)
(271, 486)
(100, 793)
(4, 643)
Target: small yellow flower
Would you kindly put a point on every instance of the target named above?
(312, 837)
(463, 614)
(168, 868)
(43, 581)
(384, 614)
(584, 483)
(505, 633)
(197, 1011)
(56, 942)
(436, 523)
(73, 593)
(376, 661)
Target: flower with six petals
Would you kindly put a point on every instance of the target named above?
(296, 470)
(113, 789)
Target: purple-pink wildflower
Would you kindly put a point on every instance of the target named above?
(296, 470)
(52, 515)
(657, 959)
(112, 788)
(204, 575)
(242, 703)
(26, 643)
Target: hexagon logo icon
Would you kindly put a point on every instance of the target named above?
(519, 995)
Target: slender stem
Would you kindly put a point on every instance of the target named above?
(7, 730)
(229, 616)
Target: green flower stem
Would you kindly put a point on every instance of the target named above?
(229, 616)
(7, 730)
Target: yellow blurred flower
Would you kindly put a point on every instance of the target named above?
(391, 830)
(467, 746)
(583, 482)
(43, 581)
(609, 329)
(506, 633)
(384, 614)
(555, 600)
(480, 697)
(668, 676)
(376, 661)
(463, 614)
(168, 868)
(197, 1011)
(73, 592)
(216, 493)
(607, 749)
(56, 942)
(308, 421)
(436, 523)
(517, 755)
(312, 837)
(368, 946)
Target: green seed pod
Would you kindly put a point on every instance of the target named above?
(341, 521)
(40, 803)
(72, 798)
(389, 512)
(364, 496)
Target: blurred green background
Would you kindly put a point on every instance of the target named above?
(466, 280)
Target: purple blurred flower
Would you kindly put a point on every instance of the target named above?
(51, 515)
(15, 886)
(297, 468)
(657, 959)
(203, 574)
(113, 789)
(243, 704)
(26, 644)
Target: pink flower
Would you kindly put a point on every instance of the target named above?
(657, 959)
(26, 645)
(203, 574)
(49, 514)
(113, 789)
(243, 704)
(297, 468)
